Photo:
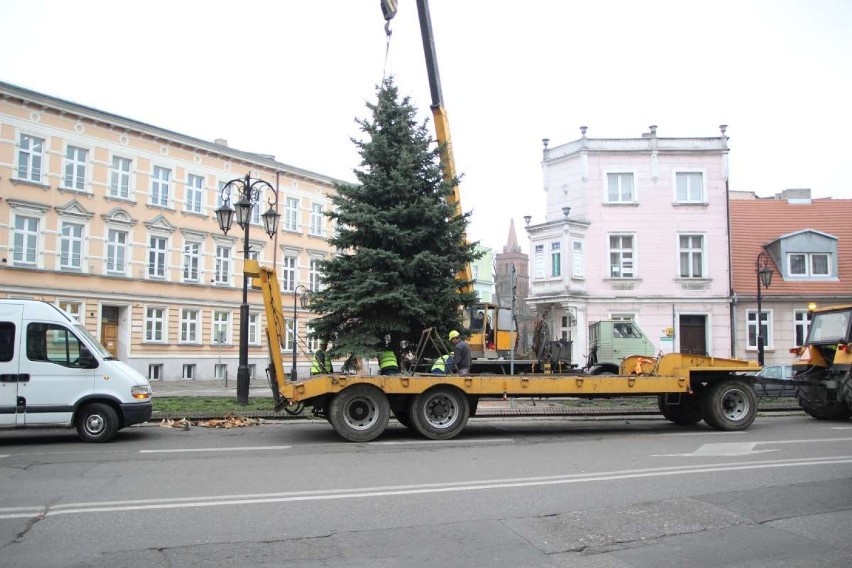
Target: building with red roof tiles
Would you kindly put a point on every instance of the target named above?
(807, 244)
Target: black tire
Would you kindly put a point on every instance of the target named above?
(604, 369)
(844, 388)
(729, 405)
(813, 400)
(440, 413)
(294, 409)
(685, 410)
(97, 422)
(403, 418)
(359, 413)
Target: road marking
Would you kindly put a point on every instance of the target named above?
(239, 449)
(401, 490)
(4, 456)
(702, 433)
(445, 442)
(745, 448)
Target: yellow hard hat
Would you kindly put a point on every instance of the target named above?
(453, 334)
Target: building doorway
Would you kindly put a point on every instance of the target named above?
(693, 334)
(109, 329)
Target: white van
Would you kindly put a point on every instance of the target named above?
(54, 373)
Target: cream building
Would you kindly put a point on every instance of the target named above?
(113, 220)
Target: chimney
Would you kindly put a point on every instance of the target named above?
(796, 196)
(221, 142)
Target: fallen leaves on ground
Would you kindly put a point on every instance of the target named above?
(229, 421)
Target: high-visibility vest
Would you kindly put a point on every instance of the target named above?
(387, 359)
(320, 367)
(441, 364)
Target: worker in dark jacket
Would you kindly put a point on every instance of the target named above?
(321, 365)
(461, 359)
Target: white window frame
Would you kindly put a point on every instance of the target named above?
(291, 214)
(189, 371)
(26, 240)
(158, 249)
(556, 259)
(74, 168)
(808, 258)
(621, 251)
(160, 195)
(289, 273)
(71, 246)
(194, 193)
(751, 332)
(316, 219)
(311, 341)
(73, 308)
(538, 261)
(117, 252)
(314, 275)
(156, 324)
(620, 178)
(801, 325)
(34, 163)
(578, 267)
(222, 272)
(190, 321)
(120, 177)
(686, 257)
(221, 321)
(155, 372)
(254, 328)
(289, 336)
(688, 177)
(191, 263)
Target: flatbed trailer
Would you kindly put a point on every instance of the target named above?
(690, 388)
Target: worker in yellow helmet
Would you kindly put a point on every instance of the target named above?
(460, 361)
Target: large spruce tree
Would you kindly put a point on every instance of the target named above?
(399, 238)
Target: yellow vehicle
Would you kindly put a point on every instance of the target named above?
(492, 330)
(690, 388)
(822, 369)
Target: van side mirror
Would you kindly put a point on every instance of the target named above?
(87, 360)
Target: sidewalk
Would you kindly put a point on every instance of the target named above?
(220, 388)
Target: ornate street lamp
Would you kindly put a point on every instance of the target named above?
(303, 300)
(764, 278)
(248, 194)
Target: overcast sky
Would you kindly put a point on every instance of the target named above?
(289, 78)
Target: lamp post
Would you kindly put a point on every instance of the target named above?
(764, 278)
(248, 193)
(303, 299)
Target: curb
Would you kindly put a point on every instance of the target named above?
(484, 411)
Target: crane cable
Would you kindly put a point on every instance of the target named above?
(388, 11)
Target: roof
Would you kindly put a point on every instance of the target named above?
(756, 223)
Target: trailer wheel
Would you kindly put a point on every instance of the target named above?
(686, 411)
(440, 413)
(97, 422)
(359, 413)
(729, 405)
(403, 417)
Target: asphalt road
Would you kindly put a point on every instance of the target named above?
(560, 491)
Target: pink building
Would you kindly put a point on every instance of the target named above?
(635, 229)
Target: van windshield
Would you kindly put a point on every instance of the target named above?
(92, 342)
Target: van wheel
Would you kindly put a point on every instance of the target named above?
(97, 422)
